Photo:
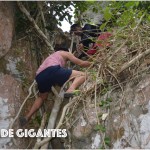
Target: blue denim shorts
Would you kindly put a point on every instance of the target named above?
(54, 75)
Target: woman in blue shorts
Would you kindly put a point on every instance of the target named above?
(52, 72)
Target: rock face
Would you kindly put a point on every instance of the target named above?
(10, 90)
(6, 26)
(127, 124)
(135, 118)
(84, 137)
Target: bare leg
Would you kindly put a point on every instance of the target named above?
(79, 79)
(37, 104)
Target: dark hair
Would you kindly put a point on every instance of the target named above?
(61, 49)
(74, 26)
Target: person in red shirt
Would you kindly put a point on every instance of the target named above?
(91, 38)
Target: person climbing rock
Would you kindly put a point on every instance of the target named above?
(53, 72)
(91, 38)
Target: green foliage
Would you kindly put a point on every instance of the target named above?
(99, 128)
(81, 7)
(116, 13)
(22, 22)
(107, 141)
(68, 115)
(109, 99)
(76, 92)
(103, 26)
(93, 74)
(60, 10)
(107, 14)
(105, 103)
(38, 119)
(121, 13)
(54, 13)
(104, 91)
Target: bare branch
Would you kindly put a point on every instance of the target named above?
(64, 112)
(117, 50)
(39, 31)
(125, 66)
(53, 116)
(43, 122)
(43, 18)
(139, 21)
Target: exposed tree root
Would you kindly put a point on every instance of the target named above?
(30, 92)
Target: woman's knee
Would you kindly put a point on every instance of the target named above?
(83, 75)
(78, 74)
(43, 96)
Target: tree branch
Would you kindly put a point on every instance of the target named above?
(43, 122)
(46, 140)
(117, 50)
(53, 116)
(39, 31)
(39, 3)
(125, 66)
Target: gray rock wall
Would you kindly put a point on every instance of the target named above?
(6, 26)
(127, 122)
(10, 92)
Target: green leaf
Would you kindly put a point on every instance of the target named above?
(68, 115)
(102, 147)
(107, 140)
(95, 10)
(76, 92)
(91, 1)
(102, 27)
(130, 4)
(59, 23)
(149, 17)
(109, 99)
(99, 128)
(101, 104)
(104, 91)
(107, 14)
(137, 3)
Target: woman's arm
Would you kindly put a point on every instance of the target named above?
(75, 60)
